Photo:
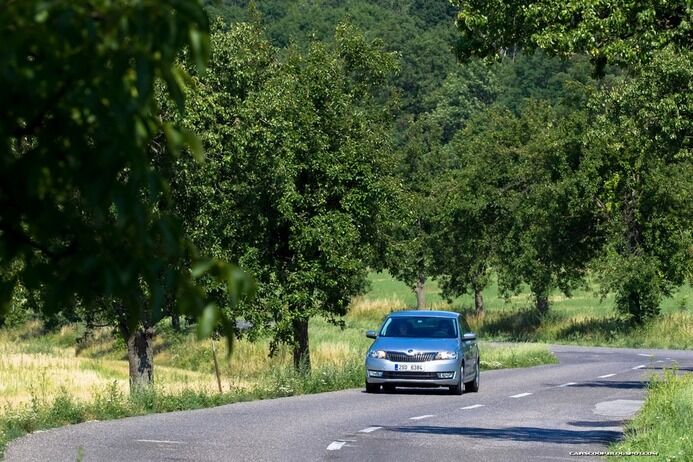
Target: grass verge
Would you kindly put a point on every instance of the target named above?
(664, 423)
(111, 403)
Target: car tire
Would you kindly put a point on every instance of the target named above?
(372, 387)
(459, 388)
(388, 388)
(473, 386)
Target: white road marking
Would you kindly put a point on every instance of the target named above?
(642, 366)
(422, 417)
(645, 355)
(659, 361)
(160, 441)
(567, 384)
(369, 429)
(669, 359)
(605, 376)
(336, 445)
(520, 395)
(473, 406)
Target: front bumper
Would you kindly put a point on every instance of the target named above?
(390, 372)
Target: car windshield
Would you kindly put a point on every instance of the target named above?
(419, 327)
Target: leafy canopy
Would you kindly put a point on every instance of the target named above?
(297, 170)
(608, 31)
(83, 213)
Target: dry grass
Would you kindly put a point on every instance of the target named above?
(25, 374)
(374, 309)
(37, 366)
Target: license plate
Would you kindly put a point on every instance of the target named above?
(408, 367)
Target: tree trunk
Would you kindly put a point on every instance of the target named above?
(175, 322)
(301, 346)
(420, 292)
(141, 358)
(478, 301)
(542, 303)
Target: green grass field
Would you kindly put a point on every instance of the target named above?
(582, 318)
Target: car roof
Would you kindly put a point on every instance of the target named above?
(435, 314)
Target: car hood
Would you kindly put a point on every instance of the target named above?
(416, 344)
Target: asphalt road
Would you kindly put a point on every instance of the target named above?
(539, 413)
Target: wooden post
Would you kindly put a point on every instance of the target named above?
(216, 365)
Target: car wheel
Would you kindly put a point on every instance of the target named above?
(372, 387)
(473, 386)
(459, 388)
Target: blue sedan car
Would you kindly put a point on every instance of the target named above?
(423, 349)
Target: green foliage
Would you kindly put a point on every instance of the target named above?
(424, 163)
(608, 31)
(84, 214)
(296, 175)
(641, 161)
(422, 32)
(516, 203)
(637, 161)
(410, 221)
(467, 89)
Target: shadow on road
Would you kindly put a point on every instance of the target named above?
(415, 391)
(618, 384)
(676, 369)
(543, 435)
(598, 423)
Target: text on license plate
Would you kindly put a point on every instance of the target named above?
(408, 367)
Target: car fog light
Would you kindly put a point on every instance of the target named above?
(375, 373)
(446, 375)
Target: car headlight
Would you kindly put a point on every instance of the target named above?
(377, 354)
(446, 355)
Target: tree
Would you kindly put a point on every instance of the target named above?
(612, 31)
(410, 224)
(639, 155)
(638, 144)
(464, 237)
(467, 89)
(516, 203)
(297, 171)
(424, 162)
(83, 214)
(420, 31)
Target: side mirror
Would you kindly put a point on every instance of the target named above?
(371, 334)
(469, 336)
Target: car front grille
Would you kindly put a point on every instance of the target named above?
(410, 375)
(405, 358)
